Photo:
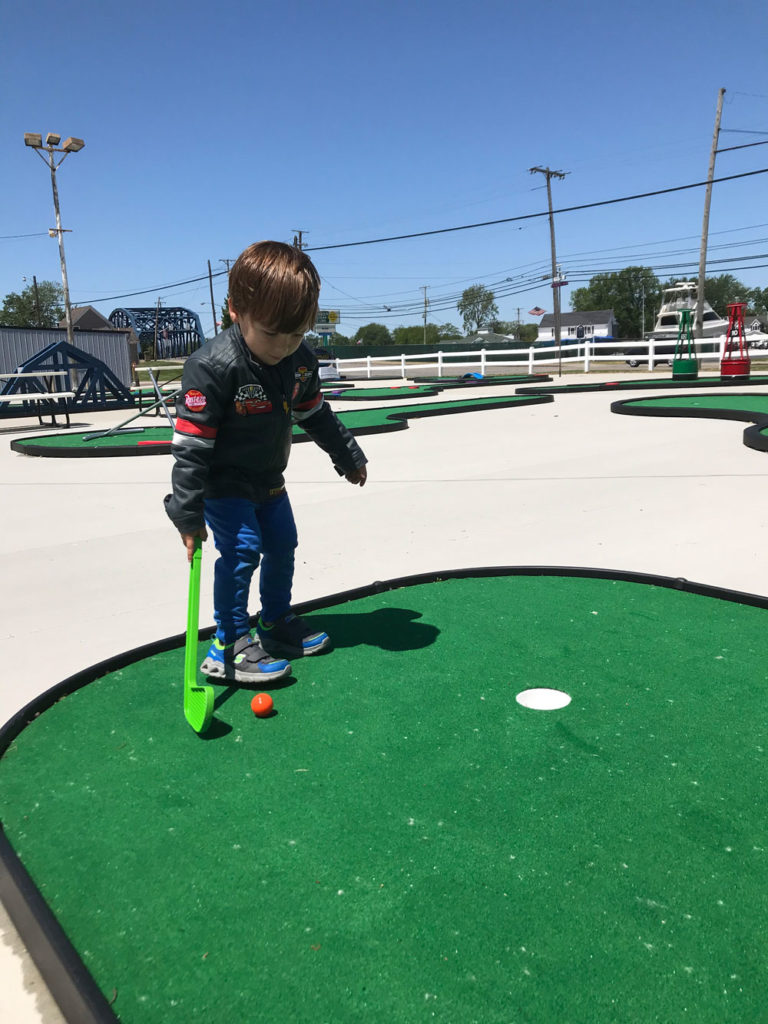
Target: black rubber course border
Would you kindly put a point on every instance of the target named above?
(67, 977)
(665, 383)
(394, 421)
(753, 436)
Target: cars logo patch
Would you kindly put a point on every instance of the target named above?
(195, 401)
(303, 374)
(251, 398)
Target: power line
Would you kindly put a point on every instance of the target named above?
(531, 216)
(442, 231)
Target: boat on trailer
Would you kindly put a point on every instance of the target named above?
(677, 297)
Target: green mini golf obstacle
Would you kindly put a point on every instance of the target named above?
(685, 365)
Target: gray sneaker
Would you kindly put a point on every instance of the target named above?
(244, 661)
(291, 637)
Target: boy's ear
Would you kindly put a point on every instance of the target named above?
(232, 312)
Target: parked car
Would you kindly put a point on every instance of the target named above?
(639, 356)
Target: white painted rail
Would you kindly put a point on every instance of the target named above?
(535, 358)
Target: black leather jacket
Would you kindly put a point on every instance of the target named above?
(234, 426)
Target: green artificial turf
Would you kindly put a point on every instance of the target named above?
(75, 439)
(389, 394)
(735, 403)
(363, 421)
(638, 385)
(404, 842)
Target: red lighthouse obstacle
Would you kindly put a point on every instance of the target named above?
(735, 361)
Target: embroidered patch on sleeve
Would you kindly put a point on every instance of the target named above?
(195, 401)
(303, 374)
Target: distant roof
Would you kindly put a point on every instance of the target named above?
(487, 337)
(89, 319)
(587, 316)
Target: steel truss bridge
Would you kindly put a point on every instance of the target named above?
(172, 331)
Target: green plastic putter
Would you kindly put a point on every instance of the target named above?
(198, 700)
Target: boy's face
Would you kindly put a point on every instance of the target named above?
(267, 345)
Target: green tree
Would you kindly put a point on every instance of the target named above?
(415, 335)
(477, 306)
(725, 288)
(446, 331)
(226, 319)
(509, 327)
(758, 300)
(528, 333)
(625, 292)
(34, 307)
(373, 334)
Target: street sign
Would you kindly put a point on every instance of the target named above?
(325, 329)
(328, 316)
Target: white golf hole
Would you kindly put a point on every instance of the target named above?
(543, 699)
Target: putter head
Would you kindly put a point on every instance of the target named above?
(198, 706)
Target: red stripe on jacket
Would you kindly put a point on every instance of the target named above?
(197, 429)
(315, 400)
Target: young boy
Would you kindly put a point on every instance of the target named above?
(240, 395)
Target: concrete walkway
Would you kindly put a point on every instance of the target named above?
(91, 566)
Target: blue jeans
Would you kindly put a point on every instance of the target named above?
(246, 533)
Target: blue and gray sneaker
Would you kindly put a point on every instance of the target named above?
(290, 637)
(244, 661)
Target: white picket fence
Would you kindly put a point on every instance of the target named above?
(531, 360)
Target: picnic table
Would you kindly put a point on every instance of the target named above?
(47, 398)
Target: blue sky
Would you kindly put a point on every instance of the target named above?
(207, 128)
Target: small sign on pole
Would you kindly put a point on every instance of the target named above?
(328, 316)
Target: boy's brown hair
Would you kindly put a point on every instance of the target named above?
(275, 284)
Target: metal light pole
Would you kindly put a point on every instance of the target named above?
(71, 145)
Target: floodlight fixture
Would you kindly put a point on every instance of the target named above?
(71, 145)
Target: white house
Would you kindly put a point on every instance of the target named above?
(593, 324)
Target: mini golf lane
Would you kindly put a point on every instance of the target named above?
(157, 440)
(752, 408)
(647, 385)
(403, 840)
(425, 387)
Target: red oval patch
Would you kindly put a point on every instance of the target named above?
(195, 401)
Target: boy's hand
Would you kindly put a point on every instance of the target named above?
(357, 476)
(188, 540)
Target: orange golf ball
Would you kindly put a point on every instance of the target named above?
(262, 705)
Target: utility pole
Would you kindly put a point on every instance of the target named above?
(426, 303)
(157, 318)
(298, 239)
(556, 282)
(518, 325)
(642, 332)
(37, 301)
(213, 304)
(698, 320)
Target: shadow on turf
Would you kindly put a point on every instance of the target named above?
(391, 629)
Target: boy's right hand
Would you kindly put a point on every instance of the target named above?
(188, 540)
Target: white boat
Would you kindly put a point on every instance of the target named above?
(679, 296)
